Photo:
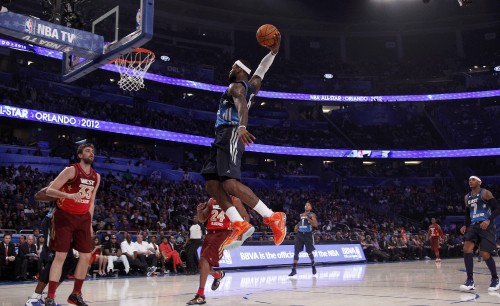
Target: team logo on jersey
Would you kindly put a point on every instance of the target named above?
(29, 25)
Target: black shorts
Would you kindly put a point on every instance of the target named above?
(304, 239)
(485, 239)
(225, 155)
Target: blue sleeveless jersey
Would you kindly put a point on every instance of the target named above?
(304, 225)
(228, 113)
(479, 209)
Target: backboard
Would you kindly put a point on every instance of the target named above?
(89, 33)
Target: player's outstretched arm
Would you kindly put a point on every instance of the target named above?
(266, 62)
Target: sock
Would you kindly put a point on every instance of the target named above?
(492, 266)
(52, 289)
(469, 264)
(233, 214)
(263, 210)
(77, 287)
(201, 291)
(36, 296)
(294, 266)
(217, 275)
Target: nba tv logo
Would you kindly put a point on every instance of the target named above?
(29, 26)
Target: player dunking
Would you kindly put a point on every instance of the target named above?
(481, 209)
(222, 171)
(435, 233)
(218, 229)
(75, 189)
(304, 237)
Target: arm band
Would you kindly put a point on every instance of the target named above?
(264, 65)
(495, 208)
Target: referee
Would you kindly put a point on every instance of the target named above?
(304, 237)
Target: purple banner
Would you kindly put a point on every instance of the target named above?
(272, 94)
(270, 255)
(106, 126)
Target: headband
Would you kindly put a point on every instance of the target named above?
(476, 178)
(242, 66)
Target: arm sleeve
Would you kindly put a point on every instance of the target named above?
(495, 208)
(467, 216)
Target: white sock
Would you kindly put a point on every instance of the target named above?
(36, 296)
(263, 210)
(233, 214)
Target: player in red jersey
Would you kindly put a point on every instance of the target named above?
(218, 230)
(75, 189)
(435, 233)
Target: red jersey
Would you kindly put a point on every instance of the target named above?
(435, 231)
(83, 183)
(217, 220)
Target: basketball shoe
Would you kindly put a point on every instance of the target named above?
(468, 285)
(198, 300)
(217, 281)
(76, 299)
(277, 223)
(240, 228)
(37, 300)
(495, 285)
(293, 274)
(315, 273)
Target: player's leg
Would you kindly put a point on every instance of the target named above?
(298, 247)
(469, 260)
(275, 220)
(486, 247)
(240, 227)
(82, 240)
(310, 249)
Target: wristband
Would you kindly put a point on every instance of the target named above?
(242, 126)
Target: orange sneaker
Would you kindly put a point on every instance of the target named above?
(240, 228)
(277, 222)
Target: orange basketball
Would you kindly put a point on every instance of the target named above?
(265, 35)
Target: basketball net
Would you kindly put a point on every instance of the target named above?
(132, 68)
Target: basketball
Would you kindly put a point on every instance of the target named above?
(265, 35)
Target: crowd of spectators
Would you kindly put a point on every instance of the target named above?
(128, 204)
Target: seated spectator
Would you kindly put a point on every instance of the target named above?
(169, 254)
(144, 254)
(8, 258)
(113, 251)
(129, 249)
(97, 256)
(29, 259)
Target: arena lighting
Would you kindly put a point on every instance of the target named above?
(464, 2)
(368, 163)
(278, 95)
(165, 58)
(328, 76)
(119, 128)
(413, 162)
(497, 68)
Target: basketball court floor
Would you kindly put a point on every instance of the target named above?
(407, 283)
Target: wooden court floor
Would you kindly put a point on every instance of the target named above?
(414, 283)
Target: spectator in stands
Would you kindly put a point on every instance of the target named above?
(8, 258)
(144, 254)
(29, 259)
(169, 254)
(113, 251)
(97, 256)
(129, 249)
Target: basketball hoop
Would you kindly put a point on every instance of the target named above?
(132, 68)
